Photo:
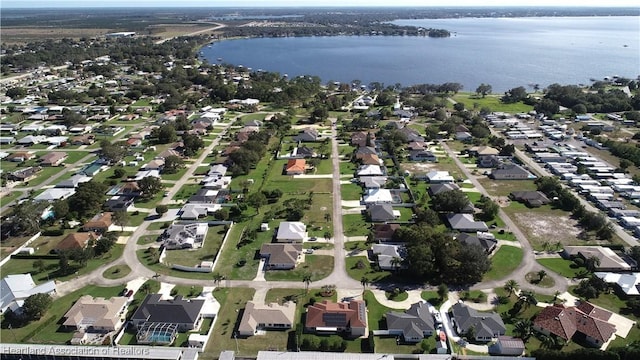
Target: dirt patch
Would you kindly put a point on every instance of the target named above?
(502, 201)
(418, 167)
(542, 228)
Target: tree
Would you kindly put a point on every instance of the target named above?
(104, 245)
(306, 279)
(443, 291)
(119, 173)
(22, 222)
(396, 261)
(592, 263)
(150, 186)
(484, 89)
(36, 305)
(120, 218)
(541, 275)
(489, 208)
(364, 282)
(217, 278)
(514, 95)
(257, 200)
(161, 209)
(60, 209)
(528, 298)
(450, 201)
(523, 329)
(511, 287)
(88, 199)
(192, 143)
(16, 93)
(172, 164)
(165, 134)
(39, 265)
(111, 152)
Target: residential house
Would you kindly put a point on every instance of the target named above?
(169, 152)
(411, 134)
(155, 164)
(96, 315)
(437, 188)
(483, 151)
(384, 232)
(413, 325)
(382, 213)
(370, 170)
(20, 156)
(530, 198)
(369, 159)
(120, 202)
(99, 223)
(626, 283)
(303, 152)
(295, 167)
(217, 170)
(377, 196)
(372, 182)
(585, 320)
(32, 140)
(486, 241)
(204, 196)
(511, 172)
(365, 150)
(307, 135)
(76, 241)
(291, 232)
(134, 142)
(362, 138)
(281, 256)
(14, 289)
(507, 346)
(54, 194)
(487, 325)
(488, 161)
(608, 260)
(466, 223)
(271, 316)
(344, 317)
(7, 140)
(185, 236)
(437, 177)
(53, 158)
(186, 314)
(389, 257)
(25, 175)
(195, 211)
(73, 181)
(463, 136)
(422, 155)
(417, 145)
(86, 139)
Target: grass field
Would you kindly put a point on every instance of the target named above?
(503, 262)
(492, 102)
(192, 257)
(560, 266)
(317, 266)
(355, 225)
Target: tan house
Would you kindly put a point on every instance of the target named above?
(20, 156)
(86, 139)
(270, 316)
(99, 223)
(53, 158)
(99, 315)
(281, 256)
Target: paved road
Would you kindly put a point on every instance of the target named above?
(217, 27)
(528, 263)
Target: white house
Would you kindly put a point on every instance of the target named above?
(377, 196)
(14, 289)
(291, 231)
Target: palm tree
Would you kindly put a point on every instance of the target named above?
(541, 275)
(556, 295)
(592, 263)
(306, 279)
(549, 341)
(396, 262)
(217, 278)
(523, 329)
(364, 281)
(511, 286)
(528, 298)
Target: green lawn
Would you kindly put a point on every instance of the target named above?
(23, 266)
(187, 191)
(366, 271)
(355, 225)
(47, 329)
(350, 191)
(317, 266)
(503, 262)
(432, 297)
(116, 272)
(232, 301)
(376, 312)
(560, 266)
(347, 168)
(177, 176)
(506, 187)
(492, 102)
(192, 257)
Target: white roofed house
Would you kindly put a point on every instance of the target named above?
(291, 231)
(439, 177)
(369, 170)
(14, 289)
(377, 196)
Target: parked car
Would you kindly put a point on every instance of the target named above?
(124, 292)
(129, 293)
(313, 238)
(308, 251)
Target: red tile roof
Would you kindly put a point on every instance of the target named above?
(564, 322)
(353, 311)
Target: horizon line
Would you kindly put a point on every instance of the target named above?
(316, 6)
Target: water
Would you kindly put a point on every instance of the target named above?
(504, 52)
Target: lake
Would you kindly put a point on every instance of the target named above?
(503, 52)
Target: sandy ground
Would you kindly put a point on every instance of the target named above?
(544, 227)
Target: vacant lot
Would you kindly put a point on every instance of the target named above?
(28, 34)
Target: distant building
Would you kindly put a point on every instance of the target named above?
(14, 289)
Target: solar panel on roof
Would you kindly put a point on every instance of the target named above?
(334, 319)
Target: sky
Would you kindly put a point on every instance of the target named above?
(306, 3)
